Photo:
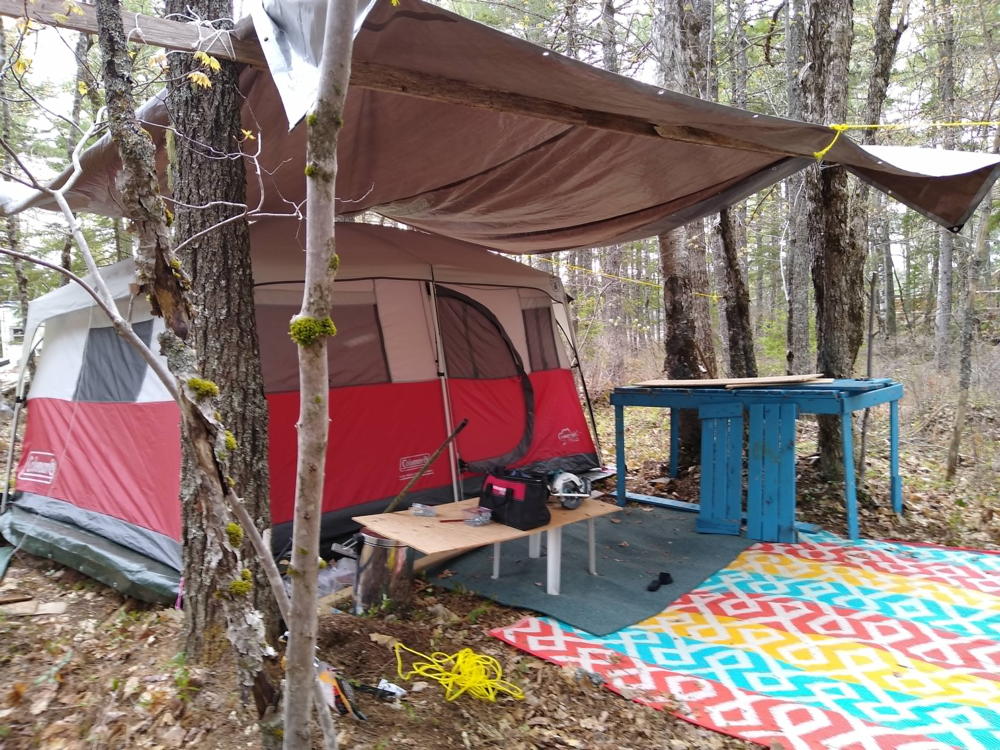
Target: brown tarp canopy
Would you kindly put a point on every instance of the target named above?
(622, 160)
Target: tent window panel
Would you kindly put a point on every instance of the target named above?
(542, 351)
(112, 369)
(474, 346)
(355, 356)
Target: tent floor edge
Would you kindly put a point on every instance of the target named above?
(122, 569)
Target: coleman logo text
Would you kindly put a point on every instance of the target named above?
(39, 466)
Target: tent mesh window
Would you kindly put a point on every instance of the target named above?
(112, 369)
(542, 352)
(474, 344)
(355, 356)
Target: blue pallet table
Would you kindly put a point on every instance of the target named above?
(770, 414)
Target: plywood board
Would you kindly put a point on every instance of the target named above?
(445, 532)
(723, 382)
(813, 381)
(32, 607)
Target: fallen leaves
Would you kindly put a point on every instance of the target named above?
(383, 640)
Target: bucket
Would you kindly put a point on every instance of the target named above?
(385, 572)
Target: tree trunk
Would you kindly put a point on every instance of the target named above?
(798, 360)
(742, 360)
(310, 330)
(11, 224)
(971, 277)
(838, 262)
(946, 244)
(886, 43)
(888, 274)
(701, 296)
(680, 42)
(160, 274)
(681, 360)
(215, 250)
(615, 295)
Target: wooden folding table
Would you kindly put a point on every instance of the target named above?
(446, 533)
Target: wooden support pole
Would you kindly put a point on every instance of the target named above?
(143, 29)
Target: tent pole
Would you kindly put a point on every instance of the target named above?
(18, 400)
(575, 364)
(442, 367)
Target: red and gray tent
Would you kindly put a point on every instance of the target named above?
(431, 331)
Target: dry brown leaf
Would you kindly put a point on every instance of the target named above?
(42, 698)
(383, 640)
(16, 693)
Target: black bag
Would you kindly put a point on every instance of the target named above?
(516, 500)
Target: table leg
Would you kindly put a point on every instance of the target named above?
(553, 561)
(850, 490)
(496, 560)
(620, 452)
(675, 442)
(592, 546)
(895, 482)
(535, 545)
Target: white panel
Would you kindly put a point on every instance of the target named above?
(505, 304)
(563, 331)
(404, 314)
(152, 387)
(65, 337)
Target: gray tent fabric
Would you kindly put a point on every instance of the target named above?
(112, 370)
(474, 170)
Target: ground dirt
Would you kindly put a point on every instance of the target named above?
(106, 674)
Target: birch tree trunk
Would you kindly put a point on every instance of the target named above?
(310, 329)
(215, 249)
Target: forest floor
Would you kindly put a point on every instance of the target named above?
(107, 672)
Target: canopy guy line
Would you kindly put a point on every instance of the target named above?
(841, 127)
(614, 277)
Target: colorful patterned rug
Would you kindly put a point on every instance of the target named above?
(829, 643)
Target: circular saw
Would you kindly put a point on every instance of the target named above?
(569, 488)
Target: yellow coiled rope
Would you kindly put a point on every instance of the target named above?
(462, 672)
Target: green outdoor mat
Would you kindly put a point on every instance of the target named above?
(630, 554)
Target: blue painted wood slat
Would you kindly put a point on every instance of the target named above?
(755, 468)
(722, 466)
(785, 470)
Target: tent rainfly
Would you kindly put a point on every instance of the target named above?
(432, 331)
(467, 132)
(453, 128)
